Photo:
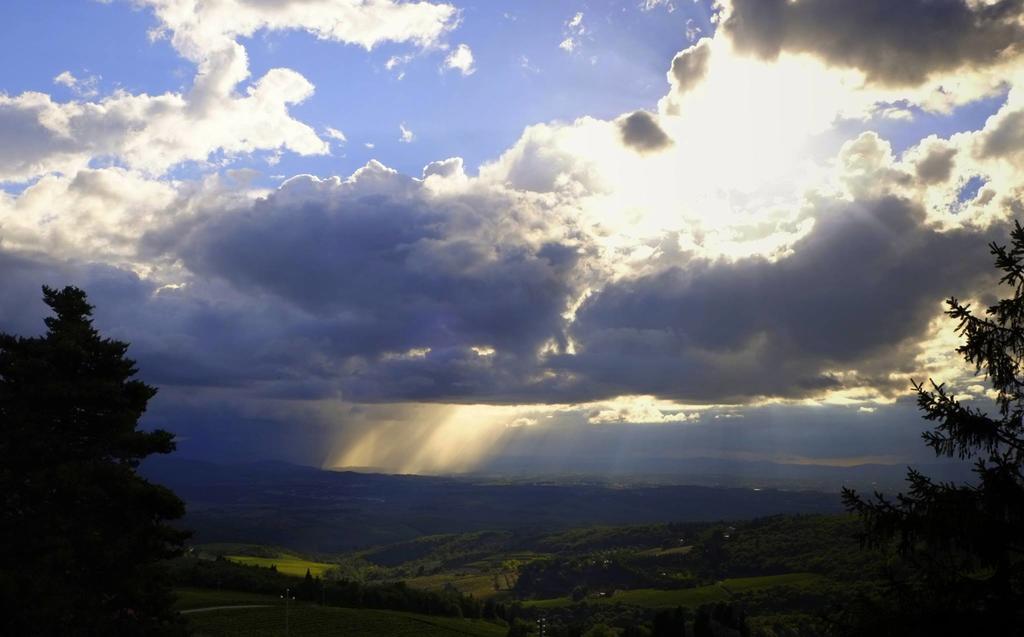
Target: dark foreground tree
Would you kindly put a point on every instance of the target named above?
(960, 547)
(81, 533)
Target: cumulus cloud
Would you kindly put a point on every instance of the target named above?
(98, 214)
(451, 167)
(641, 132)
(690, 65)
(641, 410)
(856, 293)
(65, 79)
(153, 133)
(379, 267)
(936, 161)
(1003, 136)
(197, 30)
(900, 43)
(381, 287)
(461, 59)
(552, 158)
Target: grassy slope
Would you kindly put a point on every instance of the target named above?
(660, 552)
(479, 586)
(692, 597)
(315, 621)
(189, 598)
(285, 563)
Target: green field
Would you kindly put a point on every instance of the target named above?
(316, 621)
(189, 598)
(285, 563)
(660, 552)
(798, 580)
(692, 597)
(479, 586)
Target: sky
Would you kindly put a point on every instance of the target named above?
(427, 236)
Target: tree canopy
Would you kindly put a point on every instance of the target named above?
(83, 535)
(961, 546)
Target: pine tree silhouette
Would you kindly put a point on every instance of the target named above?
(962, 545)
(81, 533)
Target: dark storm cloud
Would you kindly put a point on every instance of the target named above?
(370, 288)
(893, 43)
(452, 374)
(178, 338)
(23, 275)
(640, 131)
(856, 293)
(383, 296)
(375, 289)
(391, 271)
(266, 317)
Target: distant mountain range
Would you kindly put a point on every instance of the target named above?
(725, 472)
(332, 511)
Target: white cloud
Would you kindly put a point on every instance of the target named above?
(200, 29)
(95, 214)
(152, 133)
(335, 134)
(82, 87)
(65, 79)
(220, 113)
(640, 409)
(461, 59)
(406, 136)
(648, 5)
(573, 32)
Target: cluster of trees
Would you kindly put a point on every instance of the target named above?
(221, 573)
(718, 619)
(823, 544)
(709, 620)
(560, 576)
